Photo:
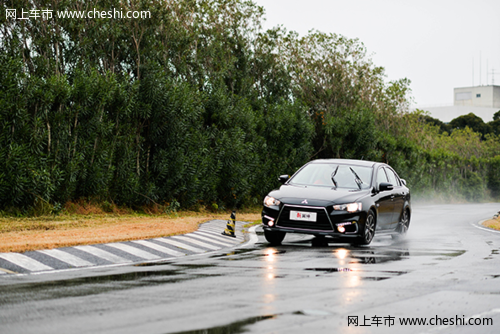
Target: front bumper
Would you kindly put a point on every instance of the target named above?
(328, 222)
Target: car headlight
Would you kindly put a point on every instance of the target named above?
(351, 207)
(271, 201)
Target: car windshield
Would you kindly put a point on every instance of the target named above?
(334, 175)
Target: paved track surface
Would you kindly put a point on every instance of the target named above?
(448, 268)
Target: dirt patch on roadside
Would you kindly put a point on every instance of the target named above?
(21, 235)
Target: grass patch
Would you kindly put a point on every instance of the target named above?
(255, 222)
(95, 226)
(493, 223)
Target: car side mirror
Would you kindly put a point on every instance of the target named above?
(283, 178)
(403, 181)
(384, 186)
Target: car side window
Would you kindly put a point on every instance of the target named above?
(393, 179)
(381, 177)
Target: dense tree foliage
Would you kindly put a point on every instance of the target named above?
(437, 122)
(197, 105)
(472, 121)
(495, 124)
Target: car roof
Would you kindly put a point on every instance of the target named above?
(364, 163)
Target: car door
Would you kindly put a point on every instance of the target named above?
(384, 203)
(398, 196)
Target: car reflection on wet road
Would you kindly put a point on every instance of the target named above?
(447, 267)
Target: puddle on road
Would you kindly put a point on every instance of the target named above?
(239, 326)
(153, 264)
(254, 253)
(174, 273)
(329, 270)
(235, 252)
(493, 252)
(233, 328)
(194, 266)
(384, 274)
(374, 278)
(374, 256)
(317, 313)
(86, 286)
(352, 254)
(380, 257)
(120, 277)
(448, 256)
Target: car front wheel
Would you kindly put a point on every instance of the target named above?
(274, 237)
(368, 230)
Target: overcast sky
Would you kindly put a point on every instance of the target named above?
(434, 43)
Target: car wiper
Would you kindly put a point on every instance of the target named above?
(333, 177)
(357, 179)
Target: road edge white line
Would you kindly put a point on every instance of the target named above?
(253, 237)
(480, 226)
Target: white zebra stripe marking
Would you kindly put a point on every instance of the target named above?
(66, 257)
(212, 240)
(206, 238)
(219, 234)
(25, 262)
(102, 254)
(158, 247)
(196, 242)
(215, 229)
(180, 245)
(218, 237)
(134, 251)
(212, 230)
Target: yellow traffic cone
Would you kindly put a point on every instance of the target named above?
(229, 231)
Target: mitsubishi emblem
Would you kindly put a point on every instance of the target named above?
(304, 201)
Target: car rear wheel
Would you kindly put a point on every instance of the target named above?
(368, 230)
(403, 225)
(274, 237)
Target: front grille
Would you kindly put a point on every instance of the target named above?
(322, 222)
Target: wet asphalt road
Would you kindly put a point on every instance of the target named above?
(447, 269)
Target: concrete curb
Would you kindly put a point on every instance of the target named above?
(206, 240)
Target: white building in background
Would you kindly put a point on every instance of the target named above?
(483, 101)
(480, 96)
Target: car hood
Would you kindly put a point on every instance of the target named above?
(316, 195)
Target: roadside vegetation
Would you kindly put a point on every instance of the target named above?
(493, 223)
(198, 108)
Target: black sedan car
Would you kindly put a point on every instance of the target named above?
(350, 200)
